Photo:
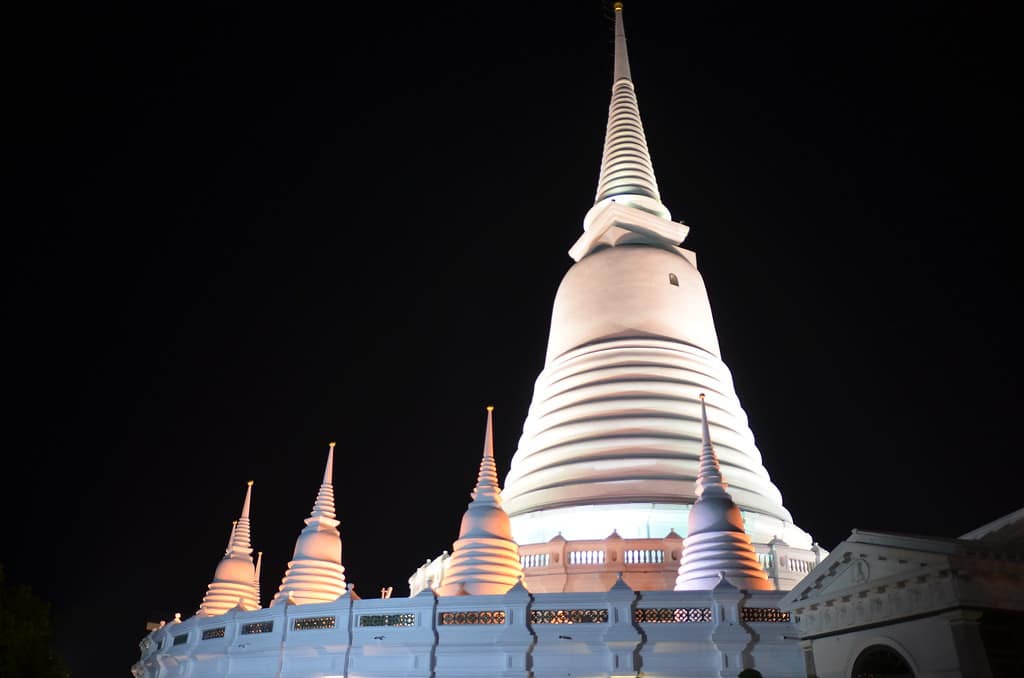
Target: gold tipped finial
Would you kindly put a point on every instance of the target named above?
(490, 408)
(249, 483)
(617, 6)
(332, 445)
(702, 396)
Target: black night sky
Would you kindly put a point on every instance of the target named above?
(236, 233)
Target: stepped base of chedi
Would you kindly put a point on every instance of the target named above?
(612, 440)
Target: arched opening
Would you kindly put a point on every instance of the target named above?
(881, 661)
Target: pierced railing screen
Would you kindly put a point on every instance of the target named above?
(213, 633)
(181, 640)
(599, 616)
(257, 627)
(672, 615)
(313, 623)
(404, 619)
(592, 557)
(763, 614)
(643, 556)
(469, 618)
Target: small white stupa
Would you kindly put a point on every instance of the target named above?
(717, 545)
(234, 582)
(485, 558)
(315, 573)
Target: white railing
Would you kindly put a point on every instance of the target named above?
(643, 556)
(589, 557)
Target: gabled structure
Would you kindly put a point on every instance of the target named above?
(923, 606)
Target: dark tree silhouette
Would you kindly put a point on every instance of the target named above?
(26, 647)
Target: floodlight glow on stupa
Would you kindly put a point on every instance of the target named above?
(315, 573)
(485, 559)
(235, 582)
(612, 439)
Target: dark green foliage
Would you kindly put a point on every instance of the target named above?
(26, 648)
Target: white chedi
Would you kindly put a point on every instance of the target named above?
(717, 546)
(612, 435)
(485, 558)
(315, 573)
(235, 583)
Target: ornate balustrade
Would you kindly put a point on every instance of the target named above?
(588, 634)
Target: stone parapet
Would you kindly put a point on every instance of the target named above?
(617, 632)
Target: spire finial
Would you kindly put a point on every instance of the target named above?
(231, 537)
(329, 470)
(248, 500)
(627, 175)
(709, 473)
(488, 489)
(489, 435)
(621, 55)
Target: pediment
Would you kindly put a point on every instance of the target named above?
(854, 567)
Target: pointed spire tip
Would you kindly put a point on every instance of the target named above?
(627, 175)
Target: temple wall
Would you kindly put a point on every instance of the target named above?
(616, 632)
